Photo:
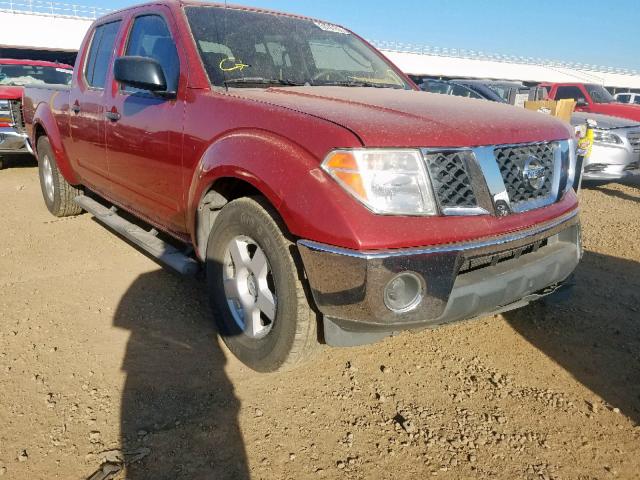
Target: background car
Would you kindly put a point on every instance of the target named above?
(628, 98)
(515, 93)
(616, 147)
(461, 89)
(14, 75)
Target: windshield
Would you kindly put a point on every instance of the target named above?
(242, 48)
(599, 94)
(32, 74)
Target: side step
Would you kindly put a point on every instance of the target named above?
(147, 240)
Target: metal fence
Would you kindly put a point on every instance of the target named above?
(478, 55)
(55, 9)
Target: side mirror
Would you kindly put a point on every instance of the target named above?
(141, 72)
(581, 102)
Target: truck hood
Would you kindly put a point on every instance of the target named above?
(10, 92)
(384, 117)
(624, 110)
(604, 122)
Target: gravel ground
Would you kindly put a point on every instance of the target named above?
(108, 360)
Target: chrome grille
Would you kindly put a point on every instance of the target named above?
(634, 140)
(512, 161)
(16, 113)
(450, 179)
(499, 179)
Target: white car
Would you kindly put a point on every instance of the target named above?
(616, 147)
(628, 98)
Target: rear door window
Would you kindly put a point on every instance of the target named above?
(100, 52)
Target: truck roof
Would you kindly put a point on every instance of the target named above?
(35, 63)
(197, 3)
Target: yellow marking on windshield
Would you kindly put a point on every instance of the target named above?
(239, 66)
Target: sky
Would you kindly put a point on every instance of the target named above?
(602, 32)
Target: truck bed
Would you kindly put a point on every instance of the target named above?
(57, 96)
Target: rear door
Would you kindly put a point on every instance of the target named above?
(144, 134)
(86, 143)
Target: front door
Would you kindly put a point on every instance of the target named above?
(144, 130)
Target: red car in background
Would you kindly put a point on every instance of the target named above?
(14, 74)
(592, 98)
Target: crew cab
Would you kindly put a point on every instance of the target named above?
(592, 98)
(14, 74)
(326, 197)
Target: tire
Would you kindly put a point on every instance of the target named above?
(248, 226)
(58, 194)
(2, 163)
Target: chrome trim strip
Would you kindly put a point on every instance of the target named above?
(448, 248)
(486, 158)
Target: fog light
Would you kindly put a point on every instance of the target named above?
(403, 292)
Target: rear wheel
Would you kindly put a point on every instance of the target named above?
(58, 194)
(2, 163)
(259, 301)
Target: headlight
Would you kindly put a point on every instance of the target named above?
(600, 136)
(388, 182)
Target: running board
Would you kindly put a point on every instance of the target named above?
(146, 240)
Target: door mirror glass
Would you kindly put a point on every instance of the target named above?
(140, 72)
(581, 102)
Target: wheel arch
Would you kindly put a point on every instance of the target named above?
(46, 125)
(218, 193)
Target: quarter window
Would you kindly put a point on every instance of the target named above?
(150, 37)
(104, 38)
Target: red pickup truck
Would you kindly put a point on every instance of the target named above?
(592, 98)
(326, 196)
(14, 74)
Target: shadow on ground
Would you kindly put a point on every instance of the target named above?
(595, 334)
(20, 161)
(178, 406)
(606, 188)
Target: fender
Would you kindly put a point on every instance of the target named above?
(43, 118)
(288, 175)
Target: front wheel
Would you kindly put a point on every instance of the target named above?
(258, 299)
(58, 194)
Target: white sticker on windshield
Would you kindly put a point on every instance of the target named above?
(64, 70)
(329, 27)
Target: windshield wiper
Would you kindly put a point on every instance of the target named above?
(262, 81)
(358, 83)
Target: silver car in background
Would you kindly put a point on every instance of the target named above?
(616, 147)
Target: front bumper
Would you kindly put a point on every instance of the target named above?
(12, 141)
(611, 163)
(460, 281)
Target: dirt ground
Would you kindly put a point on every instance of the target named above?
(104, 356)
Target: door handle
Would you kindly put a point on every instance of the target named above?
(75, 108)
(112, 115)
